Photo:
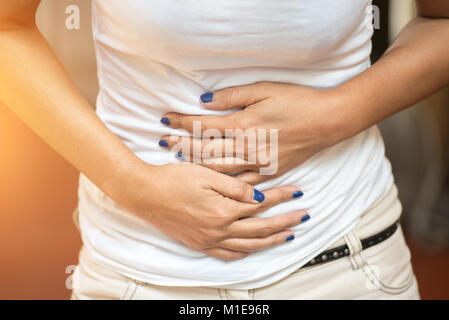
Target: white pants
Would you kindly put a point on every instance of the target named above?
(382, 271)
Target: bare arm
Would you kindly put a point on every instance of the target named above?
(197, 206)
(415, 66)
(36, 87)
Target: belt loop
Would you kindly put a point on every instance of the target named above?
(355, 248)
(130, 290)
(221, 293)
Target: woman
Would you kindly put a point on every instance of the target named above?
(322, 222)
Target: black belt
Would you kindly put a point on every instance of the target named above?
(343, 251)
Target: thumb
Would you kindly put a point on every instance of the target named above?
(235, 97)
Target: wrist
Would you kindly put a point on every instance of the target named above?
(337, 120)
(329, 121)
(125, 178)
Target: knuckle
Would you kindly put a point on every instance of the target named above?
(205, 238)
(214, 235)
(227, 258)
(245, 122)
(185, 122)
(252, 246)
(286, 195)
(205, 124)
(243, 255)
(231, 94)
(175, 120)
(267, 203)
(238, 189)
(236, 256)
(223, 217)
(194, 246)
(295, 218)
(279, 239)
(203, 244)
(226, 254)
(264, 230)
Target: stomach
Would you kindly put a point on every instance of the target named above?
(339, 185)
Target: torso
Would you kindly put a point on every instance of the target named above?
(160, 56)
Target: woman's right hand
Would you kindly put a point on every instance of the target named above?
(209, 211)
(197, 206)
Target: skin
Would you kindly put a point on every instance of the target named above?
(302, 114)
(205, 212)
(203, 208)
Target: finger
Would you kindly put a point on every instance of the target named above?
(203, 148)
(243, 147)
(196, 125)
(237, 190)
(252, 177)
(273, 197)
(255, 227)
(209, 153)
(235, 97)
(251, 245)
(225, 254)
(227, 165)
(180, 142)
(220, 165)
(217, 147)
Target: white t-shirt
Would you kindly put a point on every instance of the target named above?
(158, 56)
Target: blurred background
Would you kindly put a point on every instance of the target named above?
(39, 242)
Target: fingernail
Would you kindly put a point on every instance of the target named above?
(298, 194)
(290, 238)
(163, 143)
(258, 196)
(207, 97)
(165, 121)
(305, 218)
(180, 156)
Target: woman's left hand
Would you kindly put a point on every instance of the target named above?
(304, 119)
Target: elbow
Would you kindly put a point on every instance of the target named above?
(433, 9)
(429, 15)
(9, 24)
(18, 14)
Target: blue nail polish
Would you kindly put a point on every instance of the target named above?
(163, 143)
(165, 121)
(207, 97)
(180, 156)
(258, 196)
(298, 194)
(290, 238)
(305, 218)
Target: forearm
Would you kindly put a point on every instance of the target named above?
(415, 66)
(34, 85)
